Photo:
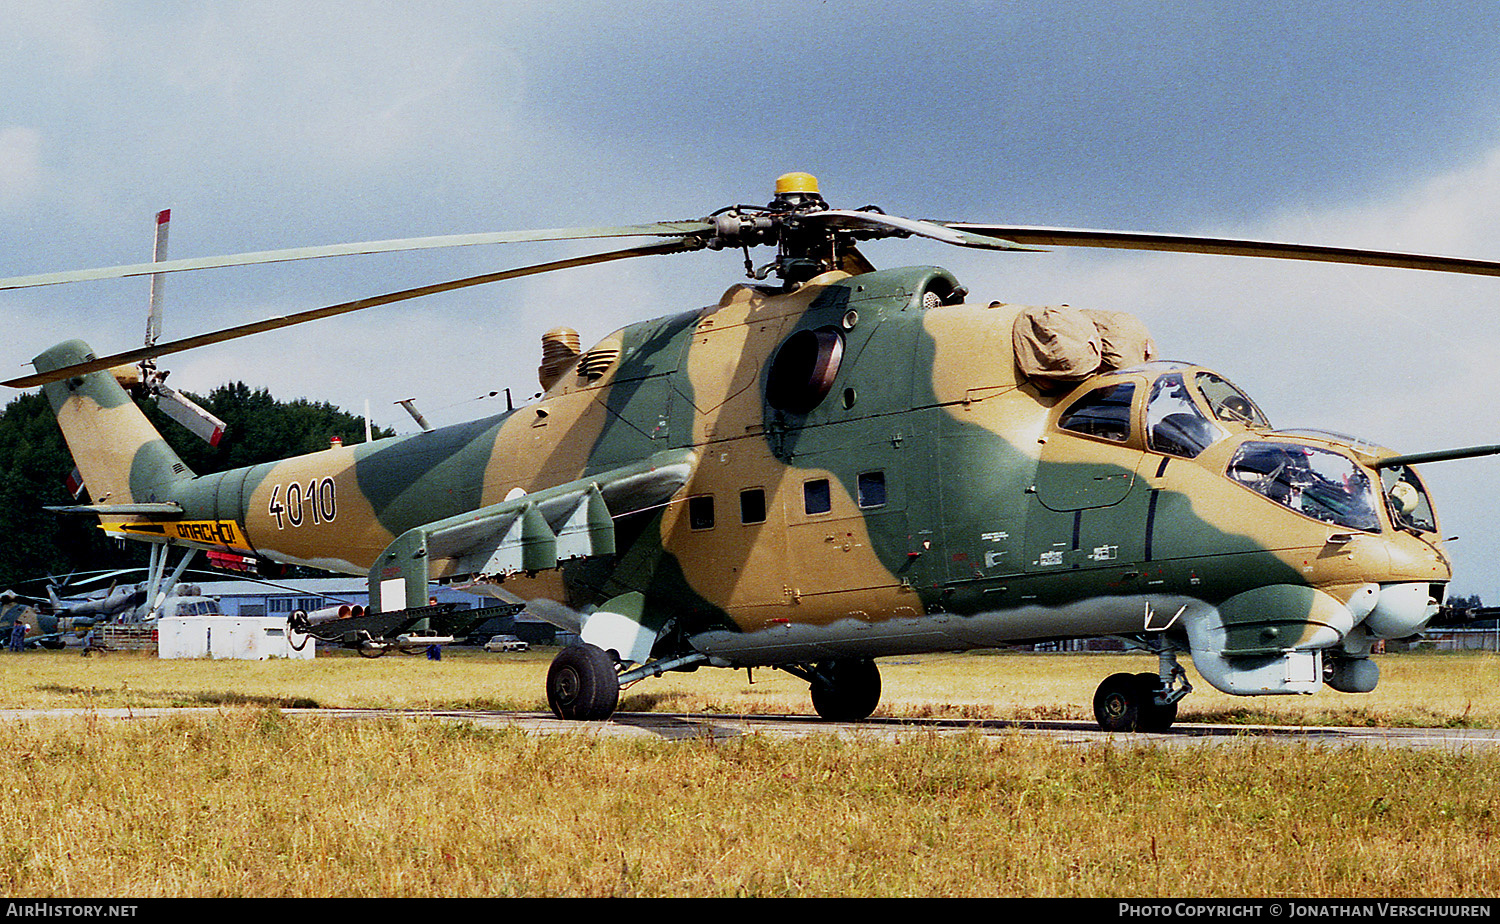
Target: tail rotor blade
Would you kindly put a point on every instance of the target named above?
(190, 414)
(158, 254)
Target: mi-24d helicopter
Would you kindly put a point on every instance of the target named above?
(830, 465)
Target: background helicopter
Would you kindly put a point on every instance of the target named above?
(982, 473)
(43, 628)
(71, 612)
(68, 608)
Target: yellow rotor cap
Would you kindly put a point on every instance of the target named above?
(796, 183)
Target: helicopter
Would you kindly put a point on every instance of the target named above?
(832, 464)
(42, 628)
(51, 619)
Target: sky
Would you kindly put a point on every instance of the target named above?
(278, 124)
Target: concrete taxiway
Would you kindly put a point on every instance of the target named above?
(671, 726)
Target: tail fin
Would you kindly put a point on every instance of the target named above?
(122, 457)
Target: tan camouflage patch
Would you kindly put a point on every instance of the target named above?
(310, 509)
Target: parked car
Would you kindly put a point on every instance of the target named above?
(505, 643)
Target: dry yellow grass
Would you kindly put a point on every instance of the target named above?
(251, 803)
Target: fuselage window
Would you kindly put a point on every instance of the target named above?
(701, 511)
(753, 505)
(871, 489)
(1103, 412)
(816, 496)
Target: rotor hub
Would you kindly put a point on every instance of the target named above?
(804, 248)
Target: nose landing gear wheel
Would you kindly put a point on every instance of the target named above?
(1117, 703)
(1127, 702)
(1154, 716)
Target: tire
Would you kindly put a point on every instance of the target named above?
(846, 690)
(582, 684)
(1153, 717)
(1117, 703)
(1127, 703)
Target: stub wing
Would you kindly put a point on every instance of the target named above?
(530, 533)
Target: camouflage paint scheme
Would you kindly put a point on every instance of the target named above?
(43, 629)
(991, 526)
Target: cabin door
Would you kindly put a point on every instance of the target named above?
(1082, 512)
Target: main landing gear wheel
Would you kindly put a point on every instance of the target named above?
(1154, 716)
(1127, 702)
(845, 690)
(582, 684)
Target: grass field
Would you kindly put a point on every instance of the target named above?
(247, 801)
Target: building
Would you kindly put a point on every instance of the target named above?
(283, 597)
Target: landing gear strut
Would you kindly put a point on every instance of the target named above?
(582, 684)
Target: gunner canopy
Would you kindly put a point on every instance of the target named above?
(1318, 483)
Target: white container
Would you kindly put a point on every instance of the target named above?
(246, 638)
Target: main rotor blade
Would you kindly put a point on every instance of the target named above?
(881, 222)
(314, 314)
(680, 229)
(1227, 246)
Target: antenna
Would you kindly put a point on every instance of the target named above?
(411, 408)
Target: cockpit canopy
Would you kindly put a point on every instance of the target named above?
(1318, 483)
(1188, 408)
